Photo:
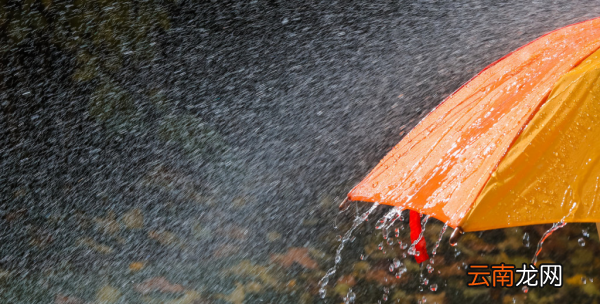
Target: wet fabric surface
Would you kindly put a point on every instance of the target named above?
(442, 165)
(552, 168)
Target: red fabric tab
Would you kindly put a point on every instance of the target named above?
(415, 231)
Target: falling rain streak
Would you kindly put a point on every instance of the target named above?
(338, 254)
(411, 249)
(386, 225)
(554, 227)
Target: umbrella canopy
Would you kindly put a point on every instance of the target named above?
(516, 145)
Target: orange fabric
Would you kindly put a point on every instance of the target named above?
(552, 171)
(441, 166)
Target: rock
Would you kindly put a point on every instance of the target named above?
(348, 280)
(190, 297)
(108, 295)
(247, 269)
(341, 289)
(514, 299)
(157, 284)
(225, 250)
(576, 280)
(233, 232)
(430, 298)
(201, 232)
(256, 287)
(62, 299)
(137, 266)
(237, 296)
(273, 236)
(383, 277)
(94, 245)
(164, 237)
(295, 255)
(107, 225)
(133, 219)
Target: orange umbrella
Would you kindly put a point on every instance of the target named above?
(516, 145)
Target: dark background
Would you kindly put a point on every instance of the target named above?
(225, 123)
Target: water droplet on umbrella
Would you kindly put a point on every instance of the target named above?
(397, 263)
(380, 247)
(392, 268)
(433, 287)
(581, 242)
(525, 289)
(583, 280)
